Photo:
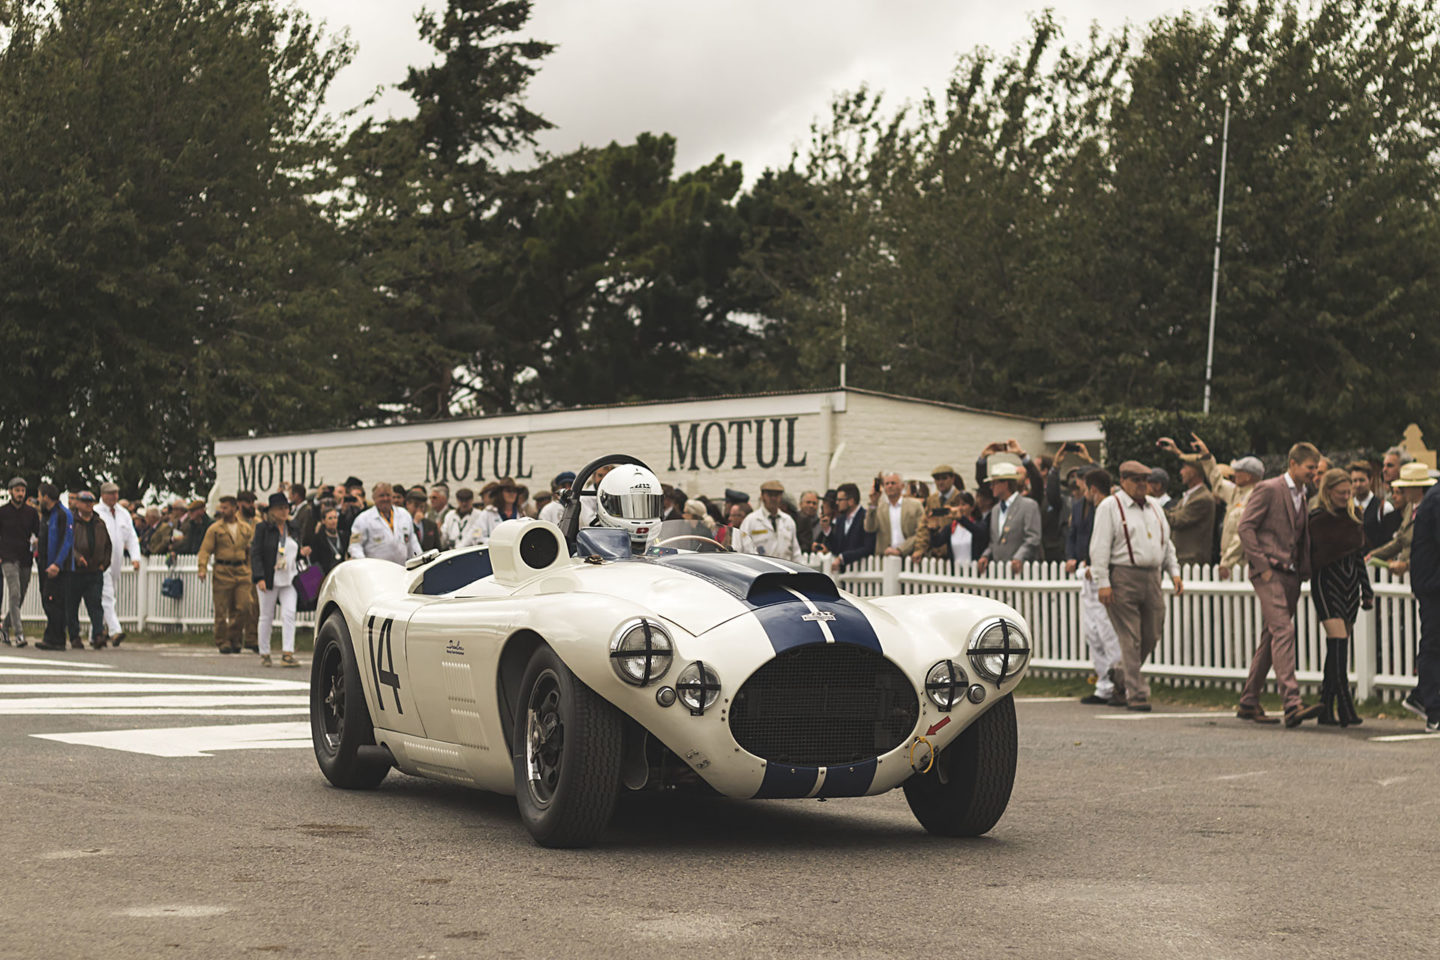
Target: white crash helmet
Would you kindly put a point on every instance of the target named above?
(629, 498)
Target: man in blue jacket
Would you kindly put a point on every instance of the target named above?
(848, 540)
(1425, 584)
(57, 536)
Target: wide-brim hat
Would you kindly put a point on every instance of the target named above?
(200, 504)
(1003, 471)
(1414, 475)
(278, 500)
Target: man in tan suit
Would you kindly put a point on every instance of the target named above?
(1276, 537)
(895, 521)
(228, 541)
(1192, 518)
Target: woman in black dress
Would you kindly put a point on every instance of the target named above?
(1339, 585)
(326, 542)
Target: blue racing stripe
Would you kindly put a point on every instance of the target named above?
(786, 627)
(851, 780)
(850, 624)
(783, 781)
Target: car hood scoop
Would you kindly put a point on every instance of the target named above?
(759, 581)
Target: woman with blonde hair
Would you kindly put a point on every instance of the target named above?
(1339, 585)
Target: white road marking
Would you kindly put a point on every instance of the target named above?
(179, 911)
(1242, 776)
(193, 741)
(1047, 699)
(85, 688)
(1391, 781)
(31, 661)
(1398, 738)
(140, 706)
(1163, 716)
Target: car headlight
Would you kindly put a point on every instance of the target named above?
(698, 687)
(946, 684)
(640, 652)
(999, 650)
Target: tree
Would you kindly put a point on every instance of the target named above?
(167, 279)
(419, 190)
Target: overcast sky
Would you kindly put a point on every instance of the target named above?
(740, 77)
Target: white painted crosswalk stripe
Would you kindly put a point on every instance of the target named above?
(193, 741)
(87, 688)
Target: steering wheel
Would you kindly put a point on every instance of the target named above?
(570, 499)
(692, 536)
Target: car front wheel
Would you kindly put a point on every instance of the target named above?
(965, 793)
(567, 749)
(339, 720)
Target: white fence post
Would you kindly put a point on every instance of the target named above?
(142, 594)
(890, 576)
(1364, 644)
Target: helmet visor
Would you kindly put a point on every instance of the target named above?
(632, 506)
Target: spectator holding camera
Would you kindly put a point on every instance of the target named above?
(1015, 525)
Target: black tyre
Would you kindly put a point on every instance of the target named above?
(339, 720)
(567, 746)
(966, 792)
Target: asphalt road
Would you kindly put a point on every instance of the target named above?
(1172, 835)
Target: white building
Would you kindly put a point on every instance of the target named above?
(807, 440)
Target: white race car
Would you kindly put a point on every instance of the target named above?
(556, 665)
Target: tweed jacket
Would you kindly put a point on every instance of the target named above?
(1192, 522)
(912, 520)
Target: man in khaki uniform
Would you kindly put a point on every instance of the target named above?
(228, 541)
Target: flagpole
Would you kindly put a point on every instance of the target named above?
(1215, 277)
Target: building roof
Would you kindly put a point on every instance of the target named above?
(671, 400)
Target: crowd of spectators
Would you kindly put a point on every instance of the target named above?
(1020, 509)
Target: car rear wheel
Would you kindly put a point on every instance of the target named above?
(340, 724)
(966, 792)
(567, 747)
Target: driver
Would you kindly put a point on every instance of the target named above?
(629, 498)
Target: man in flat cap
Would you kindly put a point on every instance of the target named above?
(946, 493)
(1130, 549)
(769, 531)
(192, 528)
(1158, 486)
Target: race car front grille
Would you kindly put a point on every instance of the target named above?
(824, 704)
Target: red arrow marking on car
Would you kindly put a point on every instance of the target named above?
(935, 727)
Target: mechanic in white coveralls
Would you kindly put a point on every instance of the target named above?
(382, 532)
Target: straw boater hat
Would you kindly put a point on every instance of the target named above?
(1414, 475)
(1003, 471)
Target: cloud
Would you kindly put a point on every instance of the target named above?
(743, 78)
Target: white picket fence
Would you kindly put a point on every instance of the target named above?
(1210, 630)
(141, 606)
